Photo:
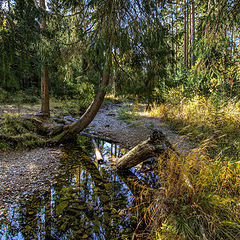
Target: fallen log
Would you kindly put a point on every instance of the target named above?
(152, 147)
(97, 152)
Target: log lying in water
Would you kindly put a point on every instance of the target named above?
(153, 146)
(97, 152)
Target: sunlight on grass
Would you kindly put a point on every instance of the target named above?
(202, 119)
(198, 199)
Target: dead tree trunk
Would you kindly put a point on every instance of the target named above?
(154, 146)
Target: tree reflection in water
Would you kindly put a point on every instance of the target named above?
(85, 201)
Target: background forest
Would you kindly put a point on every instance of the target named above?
(181, 58)
(157, 46)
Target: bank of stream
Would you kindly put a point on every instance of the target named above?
(81, 199)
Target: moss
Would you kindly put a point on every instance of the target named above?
(17, 132)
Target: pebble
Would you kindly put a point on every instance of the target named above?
(23, 172)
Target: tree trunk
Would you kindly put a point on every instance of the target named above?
(176, 41)
(186, 33)
(192, 32)
(172, 44)
(208, 25)
(71, 131)
(9, 5)
(45, 110)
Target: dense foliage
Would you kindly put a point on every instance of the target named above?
(150, 54)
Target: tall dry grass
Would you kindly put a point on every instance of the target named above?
(204, 120)
(198, 199)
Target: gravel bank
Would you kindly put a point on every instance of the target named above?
(23, 172)
(107, 124)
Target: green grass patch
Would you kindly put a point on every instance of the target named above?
(128, 114)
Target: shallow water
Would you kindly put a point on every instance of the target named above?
(85, 200)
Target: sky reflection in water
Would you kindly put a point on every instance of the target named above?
(85, 201)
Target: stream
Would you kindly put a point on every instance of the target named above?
(84, 200)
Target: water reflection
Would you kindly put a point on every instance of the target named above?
(85, 200)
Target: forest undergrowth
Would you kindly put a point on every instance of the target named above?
(199, 198)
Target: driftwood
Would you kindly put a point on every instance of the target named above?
(97, 152)
(153, 146)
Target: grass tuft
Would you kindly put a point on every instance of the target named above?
(198, 199)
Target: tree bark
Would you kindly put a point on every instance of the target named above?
(45, 110)
(172, 44)
(176, 34)
(208, 25)
(186, 33)
(9, 5)
(154, 146)
(192, 32)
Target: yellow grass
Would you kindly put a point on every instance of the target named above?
(202, 120)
